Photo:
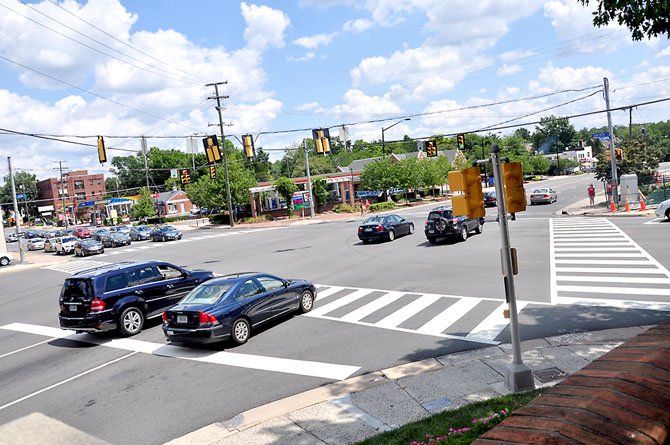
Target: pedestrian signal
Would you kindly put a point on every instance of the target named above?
(515, 194)
(211, 144)
(248, 146)
(470, 201)
(185, 176)
(431, 148)
(102, 153)
(212, 171)
(321, 138)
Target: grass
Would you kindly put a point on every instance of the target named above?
(461, 426)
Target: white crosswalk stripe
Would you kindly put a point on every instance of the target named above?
(75, 266)
(595, 262)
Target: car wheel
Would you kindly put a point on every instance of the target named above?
(241, 331)
(306, 302)
(163, 238)
(411, 228)
(432, 240)
(464, 233)
(478, 229)
(4, 261)
(131, 321)
(391, 235)
(667, 214)
(440, 224)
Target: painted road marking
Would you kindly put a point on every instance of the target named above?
(76, 266)
(247, 361)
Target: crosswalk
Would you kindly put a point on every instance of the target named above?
(594, 262)
(478, 320)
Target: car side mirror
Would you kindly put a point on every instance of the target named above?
(286, 283)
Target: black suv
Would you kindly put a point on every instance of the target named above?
(442, 223)
(123, 295)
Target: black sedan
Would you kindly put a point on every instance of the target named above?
(115, 239)
(490, 199)
(88, 246)
(140, 233)
(165, 233)
(384, 227)
(230, 307)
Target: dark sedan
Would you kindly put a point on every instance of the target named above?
(88, 246)
(115, 239)
(99, 233)
(140, 233)
(230, 307)
(165, 233)
(384, 227)
(490, 199)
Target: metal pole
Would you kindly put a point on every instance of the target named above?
(309, 182)
(16, 208)
(146, 167)
(615, 180)
(383, 144)
(223, 148)
(518, 377)
(62, 193)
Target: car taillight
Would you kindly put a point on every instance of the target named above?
(98, 305)
(546, 196)
(360, 229)
(454, 220)
(204, 318)
(426, 223)
(380, 228)
(165, 319)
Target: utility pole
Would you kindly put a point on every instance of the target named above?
(223, 147)
(146, 167)
(615, 180)
(309, 182)
(16, 208)
(62, 193)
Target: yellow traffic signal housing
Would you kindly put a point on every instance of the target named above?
(515, 194)
(102, 152)
(460, 141)
(185, 176)
(212, 171)
(211, 144)
(248, 146)
(471, 202)
(608, 155)
(431, 148)
(321, 141)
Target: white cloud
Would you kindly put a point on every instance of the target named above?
(665, 52)
(313, 42)
(358, 25)
(265, 26)
(307, 107)
(508, 70)
(309, 55)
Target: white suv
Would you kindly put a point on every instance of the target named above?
(663, 209)
(65, 245)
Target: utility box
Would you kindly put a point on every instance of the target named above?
(628, 190)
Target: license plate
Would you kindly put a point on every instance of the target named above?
(368, 230)
(170, 332)
(431, 231)
(182, 319)
(73, 308)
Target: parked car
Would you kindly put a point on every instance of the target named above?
(88, 246)
(81, 232)
(165, 233)
(115, 239)
(543, 195)
(64, 232)
(32, 234)
(231, 307)
(122, 296)
(50, 244)
(140, 233)
(12, 237)
(6, 258)
(441, 223)
(382, 227)
(663, 209)
(121, 228)
(490, 199)
(99, 233)
(65, 245)
(36, 244)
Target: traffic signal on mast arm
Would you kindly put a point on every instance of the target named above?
(619, 154)
(470, 202)
(515, 194)
(431, 148)
(211, 144)
(321, 138)
(248, 146)
(185, 176)
(460, 141)
(102, 153)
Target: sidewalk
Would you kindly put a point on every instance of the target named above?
(349, 411)
(582, 208)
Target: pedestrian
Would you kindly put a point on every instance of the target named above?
(592, 194)
(367, 206)
(609, 191)
(362, 207)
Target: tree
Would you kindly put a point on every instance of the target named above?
(430, 174)
(286, 188)
(554, 134)
(380, 175)
(638, 159)
(25, 184)
(460, 161)
(643, 18)
(261, 166)
(320, 191)
(144, 207)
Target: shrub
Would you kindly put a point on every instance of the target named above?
(169, 219)
(257, 219)
(219, 218)
(155, 220)
(379, 206)
(119, 219)
(343, 208)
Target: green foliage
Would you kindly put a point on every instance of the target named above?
(219, 218)
(380, 206)
(380, 175)
(638, 158)
(554, 134)
(344, 208)
(643, 19)
(286, 188)
(24, 182)
(320, 191)
(144, 207)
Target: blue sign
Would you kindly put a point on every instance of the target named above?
(605, 135)
(21, 196)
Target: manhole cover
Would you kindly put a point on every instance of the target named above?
(549, 374)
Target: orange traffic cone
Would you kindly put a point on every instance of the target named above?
(612, 206)
(626, 206)
(643, 207)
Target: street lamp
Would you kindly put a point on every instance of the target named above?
(390, 126)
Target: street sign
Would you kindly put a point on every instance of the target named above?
(605, 135)
(21, 196)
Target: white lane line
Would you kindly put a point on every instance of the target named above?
(408, 311)
(248, 361)
(594, 249)
(613, 270)
(373, 306)
(624, 304)
(349, 298)
(602, 255)
(578, 236)
(615, 290)
(593, 230)
(639, 280)
(27, 347)
(600, 243)
(62, 382)
(146, 247)
(448, 317)
(647, 255)
(553, 293)
(327, 292)
(493, 325)
(610, 262)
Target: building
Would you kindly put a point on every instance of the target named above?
(77, 186)
(173, 203)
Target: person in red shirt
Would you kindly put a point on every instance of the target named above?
(592, 194)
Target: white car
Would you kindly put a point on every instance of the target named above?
(663, 209)
(36, 244)
(5, 258)
(65, 245)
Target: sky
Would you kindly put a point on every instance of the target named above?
(126, 68)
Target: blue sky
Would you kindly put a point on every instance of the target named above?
(130, 68)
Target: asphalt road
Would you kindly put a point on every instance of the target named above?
(374, 311)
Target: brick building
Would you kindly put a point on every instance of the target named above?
(78, 186)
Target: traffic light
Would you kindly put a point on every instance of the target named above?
(211, 144)
(471, 202)
(212, 171)
(431, 148)
(460, 141)
(619, 154)
(321, 138)
(248, 145)
(102, 153)
(515, 194)
(608, 155)
(185, 176)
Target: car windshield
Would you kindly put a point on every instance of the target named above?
(75, 287)
(69, 239)
(168, 228)
(206, 293)
(88, 242)
(142, 229)
(541, 191)
(442, 214)
(374, 220)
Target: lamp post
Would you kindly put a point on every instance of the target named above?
(390, 126)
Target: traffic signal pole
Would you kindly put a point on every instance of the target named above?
(223, 148)
(309, 181)
(615, 179)
(518, 377)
